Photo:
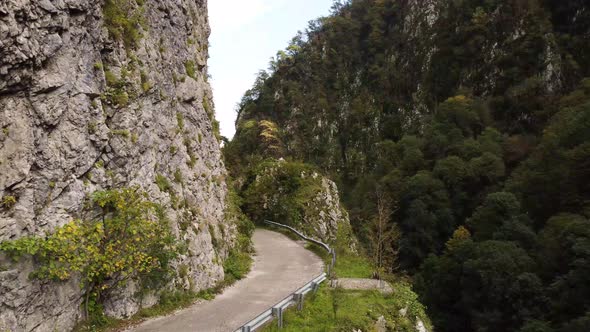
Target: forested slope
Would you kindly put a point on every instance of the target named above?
(472, 119)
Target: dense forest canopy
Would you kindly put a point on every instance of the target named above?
(473, 117)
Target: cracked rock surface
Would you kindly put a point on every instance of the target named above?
(62, 138)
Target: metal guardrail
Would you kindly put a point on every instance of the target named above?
(295, 298)
(319, 243)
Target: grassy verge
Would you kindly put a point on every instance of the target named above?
(352, 266)
(342, 310)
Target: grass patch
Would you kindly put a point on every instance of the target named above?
(180, 121)
(352, 266)
(190, 69)
(163, 183)
(342, 310)
(121, 132)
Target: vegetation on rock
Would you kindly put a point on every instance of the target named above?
(130, 240)
(124, 20)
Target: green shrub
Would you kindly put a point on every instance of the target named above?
(178, 178)
(180, 120)
(190, 69)
(237, 265)
(121, 132)
(131, 238)
(145, 83)
(92, 128)
(111, 78)
(8, 202)
(292, 192)
(116, 93)
(163, 183)
(123, 20)
(183, 271)
(192, 162)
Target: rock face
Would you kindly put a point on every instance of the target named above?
(296, 194)
(87, 105)
(325, 214)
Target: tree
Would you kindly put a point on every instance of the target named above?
(481, 286)
(426, 218)
(565, 252)
(384, 236)
(493, 213)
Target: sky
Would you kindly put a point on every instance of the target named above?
(245, 34)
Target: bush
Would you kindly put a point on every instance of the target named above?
(131, 239)
(8, 202)
(123, 20)
(237, 265)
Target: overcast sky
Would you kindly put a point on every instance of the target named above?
(245, 35)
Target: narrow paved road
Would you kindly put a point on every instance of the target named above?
(280, 267)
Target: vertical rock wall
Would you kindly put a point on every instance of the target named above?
(83, 109)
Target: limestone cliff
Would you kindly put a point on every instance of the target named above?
(96, 95)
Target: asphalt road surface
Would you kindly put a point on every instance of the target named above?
(281, 266)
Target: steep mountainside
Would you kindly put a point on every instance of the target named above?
(97, 95)
(466, 123)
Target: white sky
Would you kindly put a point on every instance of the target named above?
(245, 35)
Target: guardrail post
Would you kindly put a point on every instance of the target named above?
(278, 313)
(314, 287)
(299, 299)
(332, 262)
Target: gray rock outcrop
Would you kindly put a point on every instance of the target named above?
(85, 106)
(297, 195)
